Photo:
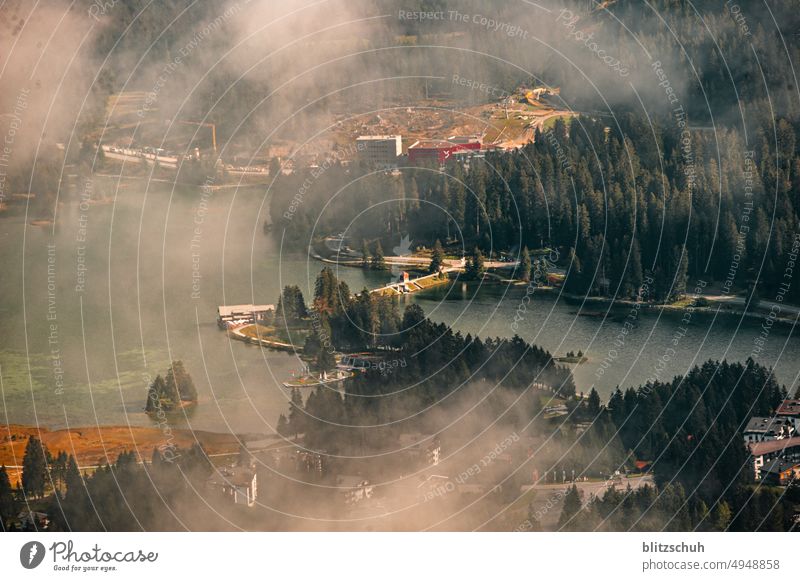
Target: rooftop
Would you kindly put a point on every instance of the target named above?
(765, 425)
(227, 310)
(232, 476)
(779, 465)
(760, 448)
(789, 407)
(431, 144)
(463, 139)
(376, 137)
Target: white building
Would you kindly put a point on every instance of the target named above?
(354, 488)
(761, 453)
(239, 483)
(421, 448)
(380, 150)
(243, 314)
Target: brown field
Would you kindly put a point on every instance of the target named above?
(92, 445)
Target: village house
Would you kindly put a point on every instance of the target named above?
(239, 483)
(766, 429)
(761, 453)
(780, 472)
(33, 521)
(354, 489)
(228, 315)
(421, 449)
(790, 409)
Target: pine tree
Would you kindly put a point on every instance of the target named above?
(570, 519)
(154, 394)
(720, 517)
(283, 426)
(437, 258)
(475, 268)
(325, 360)
(58, 469)
(178, 385)
(325, 292)
(7, 502)
(525, 265)
(378, 261)
(593, 403)
(291, 305)
(297, 416)
(34, 468)
(156, 460)
(311, 346)
(73, 479)
(574, 283)
(366, 255)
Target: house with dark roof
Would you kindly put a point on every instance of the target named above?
(780, 472)
(765, 429)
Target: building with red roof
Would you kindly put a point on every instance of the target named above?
(438, 151)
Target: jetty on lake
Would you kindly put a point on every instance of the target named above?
(407, 285)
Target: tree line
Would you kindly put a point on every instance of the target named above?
(437, 361)
(125, 495)
(689, 430)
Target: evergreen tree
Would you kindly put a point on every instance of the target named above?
(325, 360)
(58, 469)
(437, 258)
(179, 385)
(291, 306)
(378, 261)
(593, 403)
(297, 416)
(720, 517)
(311, 346)
(170, 396)
(475, 267)
(154, 394)
(366, 255)
(73, 479)
(34, 468)
(570, 519)
(325, 292)
(525, 265)
(283, 426)
(7, 502)
(575, 281)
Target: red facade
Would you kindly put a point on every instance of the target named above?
(439, 152)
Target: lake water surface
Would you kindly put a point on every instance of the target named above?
(79, 347)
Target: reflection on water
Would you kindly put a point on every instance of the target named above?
(623, 349)
(156, 269)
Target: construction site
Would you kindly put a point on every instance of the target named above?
(135, 132)
(506, 123)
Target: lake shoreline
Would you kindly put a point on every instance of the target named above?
(721, 308)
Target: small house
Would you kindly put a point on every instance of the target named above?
(238, 483)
